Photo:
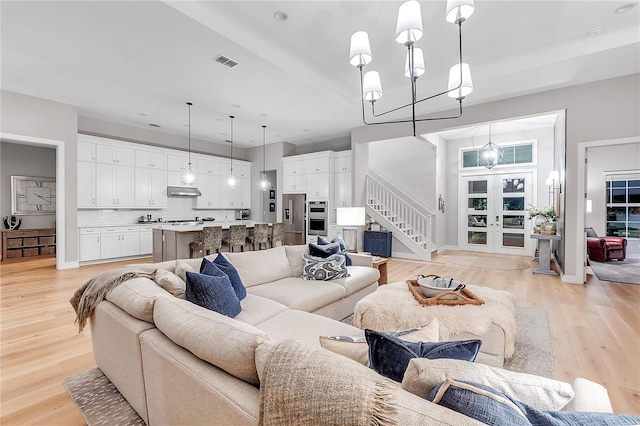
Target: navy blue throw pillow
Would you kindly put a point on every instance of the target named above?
(323, 251)
(390, 356)
(221, 262)
(213, 292)
(337, 239)
(493, 407)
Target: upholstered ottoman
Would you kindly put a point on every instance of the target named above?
(393, 307)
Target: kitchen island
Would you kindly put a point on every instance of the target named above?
(171, 242)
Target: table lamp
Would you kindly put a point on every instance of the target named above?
(350, 217)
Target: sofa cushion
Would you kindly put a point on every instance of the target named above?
(423, 375)
(256, 309)
(261, 266)
(208, 267)
(303, 326)
(171, 283)
(324, 250)
(296, 293)
(183, 267)
(343, 247)
(324, 269)
(294, 255)
(390, 355)
(215, 338)
(137, 297)
(359, 278)
(355, 346)
(213, 292)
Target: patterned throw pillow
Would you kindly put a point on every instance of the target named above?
(317, 268)
(390, 356)
(213, 292)
(337, 239)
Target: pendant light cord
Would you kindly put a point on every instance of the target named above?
(189, 103)
(264, 152)
(231, 117)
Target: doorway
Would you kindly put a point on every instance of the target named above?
(492, 217)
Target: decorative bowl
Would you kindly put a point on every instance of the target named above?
(434, 286)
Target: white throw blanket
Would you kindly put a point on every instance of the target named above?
(392, 307)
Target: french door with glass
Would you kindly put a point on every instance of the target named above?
(492, 217)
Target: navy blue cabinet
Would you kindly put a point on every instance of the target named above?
(378, 243)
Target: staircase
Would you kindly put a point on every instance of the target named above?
(397, 211)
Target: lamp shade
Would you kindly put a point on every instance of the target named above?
(554, 175)
(589, 205)
(350, 216)
(418, 63)
(360, 51)
(409, 25)
(454, 81)
(371, 86)
(459, 10)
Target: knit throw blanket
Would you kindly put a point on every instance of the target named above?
(305, 385)
(94, 291)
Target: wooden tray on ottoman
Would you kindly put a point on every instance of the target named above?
(462, 297)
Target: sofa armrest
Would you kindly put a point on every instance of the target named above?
(621, 241)
(361, 259)
(589, 396)
(595, 242)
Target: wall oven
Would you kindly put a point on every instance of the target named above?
(318, 217)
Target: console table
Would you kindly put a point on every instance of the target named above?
(28, 243)
(544, 252)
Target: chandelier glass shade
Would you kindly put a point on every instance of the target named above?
(231, 181)
(491, 154)
(188, 177)
(264, 184)
(409, 30)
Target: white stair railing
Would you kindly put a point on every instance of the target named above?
(410, 225)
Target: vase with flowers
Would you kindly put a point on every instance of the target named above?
(543, 219)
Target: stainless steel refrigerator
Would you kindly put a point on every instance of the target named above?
(294, 212)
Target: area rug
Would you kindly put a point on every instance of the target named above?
(99, 401)
(533, 353)
(627, 271)
(480, 262)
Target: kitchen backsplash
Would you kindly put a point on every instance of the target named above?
(178, 209)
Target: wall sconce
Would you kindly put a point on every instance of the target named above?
(589, 206)
(441, 203)
(554, 184)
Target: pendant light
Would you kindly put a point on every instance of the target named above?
(264, 183)
(189, 178)
(491, 154)
(231, 181)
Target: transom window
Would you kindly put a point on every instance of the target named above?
(623, 205)
(521, 153)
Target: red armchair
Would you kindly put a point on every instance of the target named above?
(602, 249)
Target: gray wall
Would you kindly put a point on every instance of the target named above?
(601, 110)
(25, 160)
(40, 118)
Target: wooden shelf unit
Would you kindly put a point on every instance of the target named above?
(28, 243)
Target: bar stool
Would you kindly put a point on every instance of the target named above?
(237, 237)
(277, 234)
(260, 236)
(210, 240)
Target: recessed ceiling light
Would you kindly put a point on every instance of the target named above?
(235, 105)
(154, 125)
(142, 114)
(625, 7)
(280, 16)
(307, 130)
(594, 32)
(252, 141)
(276, 136)
(186, 125)
(219, 119)
(223, 134)
(263, 115)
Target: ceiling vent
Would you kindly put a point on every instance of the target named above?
(221, 59)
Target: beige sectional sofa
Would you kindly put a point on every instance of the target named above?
(178, 363)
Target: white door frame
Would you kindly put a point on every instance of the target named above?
(462, 203)
(60, 192)
(581, 199)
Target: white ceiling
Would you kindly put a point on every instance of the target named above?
(117, 60)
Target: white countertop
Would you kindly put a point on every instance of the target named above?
(198, 228)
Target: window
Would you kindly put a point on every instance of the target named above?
(623, 205)
(521, 153)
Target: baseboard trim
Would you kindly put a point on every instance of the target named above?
(69, 265)
(409, 256)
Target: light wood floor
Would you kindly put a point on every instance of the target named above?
(595, 329)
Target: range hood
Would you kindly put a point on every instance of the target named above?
(182, 191)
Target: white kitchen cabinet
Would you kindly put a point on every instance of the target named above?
(342, 164)
(114, 186)
(119, 242)
(150, 188)
(208, 167)
(108, 154)
(86, 151)
(179, 163)
(86, 184)
(295, 184)
(146, 239)
(242, 172)
(244, 193)
(89, 244)
(318, 186)
(294, 167)
(342, 191)
(333, 231)
(209, 186)
(149, 159)
(318, 165)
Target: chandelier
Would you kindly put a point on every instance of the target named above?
(188, 177)
(231, 180)
(491, 154)
(264, 184)
(408, 32)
